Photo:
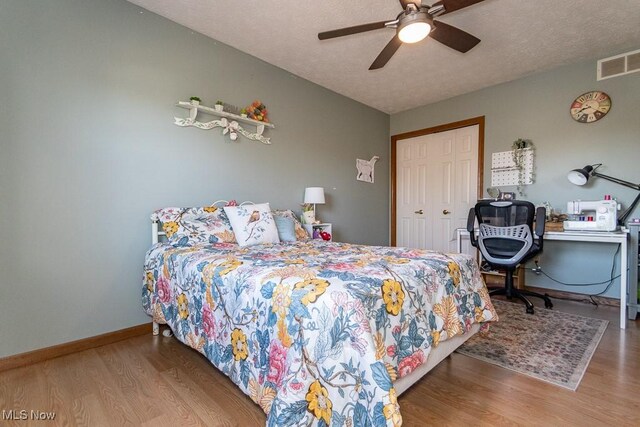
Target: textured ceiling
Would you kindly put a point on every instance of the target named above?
(518, 38)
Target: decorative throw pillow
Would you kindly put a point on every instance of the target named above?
(252, 224)
(189, 226)
(301, 233)
(286, 229)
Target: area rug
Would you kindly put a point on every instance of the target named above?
(550, 345)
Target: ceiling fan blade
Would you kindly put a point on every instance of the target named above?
(351, 30)
(453, 37)
(453, 5)
(386, 53)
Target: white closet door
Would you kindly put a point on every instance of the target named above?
(436, 185)
(412, 185)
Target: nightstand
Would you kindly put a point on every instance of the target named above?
(322, 227)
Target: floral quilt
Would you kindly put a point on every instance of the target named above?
(315, 333)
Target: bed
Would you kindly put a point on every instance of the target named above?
(316, 333)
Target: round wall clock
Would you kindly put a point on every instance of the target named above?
(590, 107)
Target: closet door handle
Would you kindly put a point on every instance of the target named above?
(445, 212)
(420, 212)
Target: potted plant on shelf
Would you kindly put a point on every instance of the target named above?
(219, 106)
(195, 100)
(519, 148)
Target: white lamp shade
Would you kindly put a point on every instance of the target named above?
(577, 178)
(580, 176)
(314, 195)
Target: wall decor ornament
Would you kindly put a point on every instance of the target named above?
(522, 148)
(229, 122)
(366, 169)
(230, 128)
(515, 167)
(590, 107)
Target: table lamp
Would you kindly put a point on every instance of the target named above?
(581, 177)
(314, 195)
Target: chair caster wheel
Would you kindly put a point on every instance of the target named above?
(530, 310)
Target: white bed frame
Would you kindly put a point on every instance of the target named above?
(437, 355)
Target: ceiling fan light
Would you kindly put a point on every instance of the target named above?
(414, 32)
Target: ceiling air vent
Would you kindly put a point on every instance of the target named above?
(619, 65)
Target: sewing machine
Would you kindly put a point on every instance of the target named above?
(599, 215)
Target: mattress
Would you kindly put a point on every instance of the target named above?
(316, 333)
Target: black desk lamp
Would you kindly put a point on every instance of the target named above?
(581, 176)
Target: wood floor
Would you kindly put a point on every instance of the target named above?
(158, 381)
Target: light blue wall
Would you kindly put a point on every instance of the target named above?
(537, 108)
(88, 150)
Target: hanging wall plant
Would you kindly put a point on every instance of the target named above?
(520, 148)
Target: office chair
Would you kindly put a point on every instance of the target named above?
(505, 239)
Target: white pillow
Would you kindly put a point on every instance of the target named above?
(252, 224)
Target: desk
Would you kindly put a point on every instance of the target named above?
(634, 266)
(619, 237)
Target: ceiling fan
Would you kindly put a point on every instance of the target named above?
(413, 24)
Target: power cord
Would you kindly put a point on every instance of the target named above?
(538, 270)
(581, 284)
(613, 266)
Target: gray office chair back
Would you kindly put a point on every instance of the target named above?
(506, 238)
(518, 233)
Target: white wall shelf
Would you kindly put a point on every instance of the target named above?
(228, 121)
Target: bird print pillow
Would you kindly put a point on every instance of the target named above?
(252, 224)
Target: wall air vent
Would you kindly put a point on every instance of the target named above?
(619, 65)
